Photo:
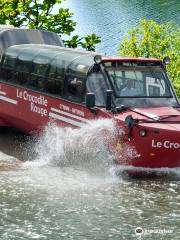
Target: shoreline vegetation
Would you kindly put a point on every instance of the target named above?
(152, 40)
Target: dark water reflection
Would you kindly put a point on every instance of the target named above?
(112, 19)
(16, 144)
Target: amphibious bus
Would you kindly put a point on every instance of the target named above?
(42, 83)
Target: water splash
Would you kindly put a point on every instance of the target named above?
(121, 170)
(8, 162)
(85, 147)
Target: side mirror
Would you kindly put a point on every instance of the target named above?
(108, 99)
(90, 100)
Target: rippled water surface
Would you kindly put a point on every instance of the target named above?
(112, 19)
(68, 190)
(53, 203)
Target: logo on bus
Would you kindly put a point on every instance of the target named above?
(165, 144)
(38, 104)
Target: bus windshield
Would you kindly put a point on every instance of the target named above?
(137, 84)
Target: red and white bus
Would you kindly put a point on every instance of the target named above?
(39, 83)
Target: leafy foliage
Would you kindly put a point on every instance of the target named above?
(151, 39)
(38, 14)
(88, 42)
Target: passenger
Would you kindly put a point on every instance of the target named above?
(129, 90)
(76, 90)
(76, 86)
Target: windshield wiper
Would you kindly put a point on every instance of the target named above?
(119, 109)
(167, 116)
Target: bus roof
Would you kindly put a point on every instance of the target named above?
(14, 36)
(67, 58)
(71, 60)
(78, 52)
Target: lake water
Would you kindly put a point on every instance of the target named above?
(63, 185)
(66, 187)
(112, 19)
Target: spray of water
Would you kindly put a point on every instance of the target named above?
(82, 147)
(8, 162)
(85, 148)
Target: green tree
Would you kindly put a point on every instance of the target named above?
(151, 39)
(38, 14)
(87, 42)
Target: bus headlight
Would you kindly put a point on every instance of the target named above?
(166, 60)
(97, 59)
(142, 133)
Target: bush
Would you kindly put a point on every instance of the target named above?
(150, 39)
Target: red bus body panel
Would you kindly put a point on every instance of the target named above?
(30, 111)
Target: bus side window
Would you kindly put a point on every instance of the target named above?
(22, 71)
(6, 74)
(7, 68)
(55, 79)
(38, 76)
(96, 84)
(9, 61)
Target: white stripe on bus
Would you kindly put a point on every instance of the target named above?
(68, 114)
(67, 120)
(9, 100)
(3, 93)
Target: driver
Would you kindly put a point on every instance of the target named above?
(129, 90)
